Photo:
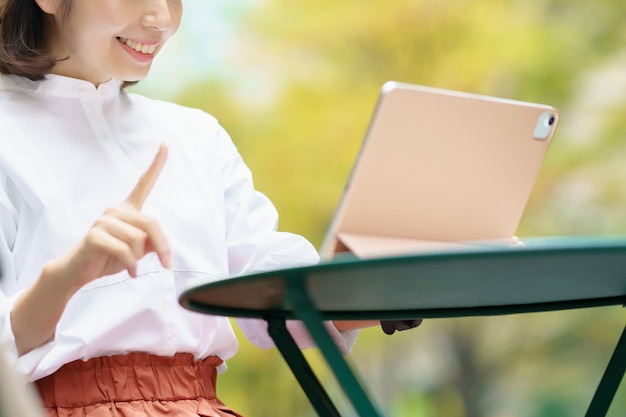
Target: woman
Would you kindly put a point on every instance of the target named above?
(95, 248)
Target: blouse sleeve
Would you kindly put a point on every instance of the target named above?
(9, 290)
(8, 230)
(255, 245)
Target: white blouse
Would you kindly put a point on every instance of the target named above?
(67, 152)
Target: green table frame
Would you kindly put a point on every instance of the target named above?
(546, 275)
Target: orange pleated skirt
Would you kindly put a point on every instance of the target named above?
(135, 384)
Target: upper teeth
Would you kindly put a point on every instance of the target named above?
(139, 47)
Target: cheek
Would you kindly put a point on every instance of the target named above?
(176, 11)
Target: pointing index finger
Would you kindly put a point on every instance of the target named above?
(145, 184)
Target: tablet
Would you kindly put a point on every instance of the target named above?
(440, 169)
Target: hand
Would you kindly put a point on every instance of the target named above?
(120, 237)
(390, 326)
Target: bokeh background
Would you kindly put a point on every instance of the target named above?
(295, 84)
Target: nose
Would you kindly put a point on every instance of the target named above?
(158, 15)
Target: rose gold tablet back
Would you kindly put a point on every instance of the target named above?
(442, 166)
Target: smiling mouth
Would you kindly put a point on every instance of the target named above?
(138, 46)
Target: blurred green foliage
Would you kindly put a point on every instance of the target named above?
(304, 81)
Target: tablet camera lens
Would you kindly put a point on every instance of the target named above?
(545, 126)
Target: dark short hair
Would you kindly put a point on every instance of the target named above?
(22, 39)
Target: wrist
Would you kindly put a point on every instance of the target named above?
(56, 276)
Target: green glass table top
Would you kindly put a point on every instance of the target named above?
(546, 274)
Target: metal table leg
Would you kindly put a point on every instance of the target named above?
(307, 313)
(311, 386)
(610, 381)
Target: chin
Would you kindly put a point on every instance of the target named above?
(133, 76)
(128, 83)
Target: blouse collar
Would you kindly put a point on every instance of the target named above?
(61, 86)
